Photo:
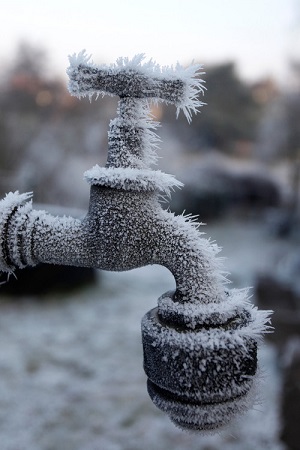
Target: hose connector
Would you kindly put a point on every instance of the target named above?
(205, 376)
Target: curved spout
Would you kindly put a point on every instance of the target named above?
(121, 231)
(124, 230)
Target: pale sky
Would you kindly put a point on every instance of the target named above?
(260, 35)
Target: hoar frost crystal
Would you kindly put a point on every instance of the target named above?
(200, 343)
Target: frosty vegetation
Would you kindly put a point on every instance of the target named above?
(200, 343)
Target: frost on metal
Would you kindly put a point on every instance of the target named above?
(200, 343)
(131, 178)
(130, 78)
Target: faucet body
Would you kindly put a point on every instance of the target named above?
(122, 230)
(200, 343)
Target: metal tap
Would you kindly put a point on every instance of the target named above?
(200, 343)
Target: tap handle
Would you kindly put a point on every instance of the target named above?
(130, 78)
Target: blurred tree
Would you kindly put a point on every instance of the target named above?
(28, 101)
(292, 111)
(43, 128)
(279, 133)
(231, 113)
(279, 140)
(28, 86)
(30, 61)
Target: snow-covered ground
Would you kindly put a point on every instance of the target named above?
(71, 375)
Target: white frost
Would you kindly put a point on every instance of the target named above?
(132, 179)
(192, 85)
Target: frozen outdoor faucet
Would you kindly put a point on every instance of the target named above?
(200, 343)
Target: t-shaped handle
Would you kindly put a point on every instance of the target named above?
(131, 141)
(130, 78)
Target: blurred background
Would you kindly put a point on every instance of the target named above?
(71, 360)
